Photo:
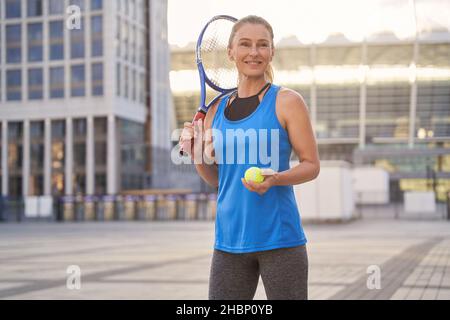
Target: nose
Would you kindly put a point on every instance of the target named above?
(254, 50)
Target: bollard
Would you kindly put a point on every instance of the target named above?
(140, 208)
(99, 208)
(109, 208)
(212, 206)
(79, 208)
(120, 208)
(150, 207)
(89, 208)
(190, 207)
(171, 204)
(161, 208)
(130, 208)
(68, 208)
(202, 206)
(181, 207)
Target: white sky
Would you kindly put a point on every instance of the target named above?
(311, 20)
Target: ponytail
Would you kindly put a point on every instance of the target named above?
(269, 73)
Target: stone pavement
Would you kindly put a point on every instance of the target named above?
(171, 260)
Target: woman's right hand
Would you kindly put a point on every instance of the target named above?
(186, 138)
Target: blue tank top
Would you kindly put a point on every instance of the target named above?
(245, 220)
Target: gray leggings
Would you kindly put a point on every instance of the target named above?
(284, 273)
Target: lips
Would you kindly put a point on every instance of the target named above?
(255, 63)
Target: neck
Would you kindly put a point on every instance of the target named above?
(250, 86)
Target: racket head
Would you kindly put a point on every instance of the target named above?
(214, 66)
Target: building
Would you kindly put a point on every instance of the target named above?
(382, 101)
(78, 83)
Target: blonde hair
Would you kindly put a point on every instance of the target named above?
(252, 19)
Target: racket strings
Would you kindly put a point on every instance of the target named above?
(213, 51)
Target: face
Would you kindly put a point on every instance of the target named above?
(251, 50)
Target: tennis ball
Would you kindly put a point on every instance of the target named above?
(254, 174)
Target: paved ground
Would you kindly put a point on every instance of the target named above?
(171, 260)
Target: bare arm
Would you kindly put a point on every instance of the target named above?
(207, 171)
(294, 116)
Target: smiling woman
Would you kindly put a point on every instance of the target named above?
(258, 226)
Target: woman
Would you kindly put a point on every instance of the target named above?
(258, 227)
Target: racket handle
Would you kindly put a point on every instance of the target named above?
(186, 146)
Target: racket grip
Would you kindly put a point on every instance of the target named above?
(187, 145)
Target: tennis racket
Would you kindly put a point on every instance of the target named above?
(214, 67)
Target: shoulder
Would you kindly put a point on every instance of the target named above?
(290, 104)
(290, 97)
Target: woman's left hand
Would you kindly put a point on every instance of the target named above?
(270, 177)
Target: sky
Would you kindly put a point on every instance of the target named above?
(312, 21)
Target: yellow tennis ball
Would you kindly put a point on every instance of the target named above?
(254, 174)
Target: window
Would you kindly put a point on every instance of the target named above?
(14, 85)
(35, 81)
(96, 4)
(13, 43)
(79, 3)
(97, 79)
(118, 82)
(56, 7)
(56, 40)
(13, 9)
(34, 8)
(133, 85)
(77, 42)
(97, 35)
(57, 82)
(78, 81)
(126, 81)
(34, 42)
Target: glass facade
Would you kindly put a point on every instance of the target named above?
(58, 150)
(35, 36)
(77, 46)
(13, 43)
(56, 38)
(57, 82)
(78, 81)
(79, 155)
(56, 7)
(15, 158)
(13, 8)
(97, 36)
(97, 79)
(36, 182)
(14, 85)
(35, 81)
(34, 8)
(133, 154)
(100, 146)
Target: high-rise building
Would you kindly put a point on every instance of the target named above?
(78, 83)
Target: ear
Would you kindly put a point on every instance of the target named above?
(230, 54)
(273, 53)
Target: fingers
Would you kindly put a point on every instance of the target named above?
(267, 172)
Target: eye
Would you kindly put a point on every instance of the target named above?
(245, 44)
